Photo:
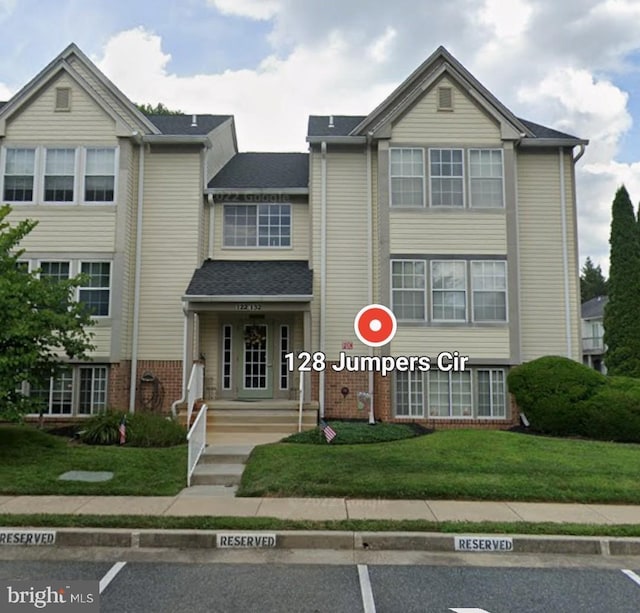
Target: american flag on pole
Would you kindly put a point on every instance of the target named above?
(122, 429)
(328, 431)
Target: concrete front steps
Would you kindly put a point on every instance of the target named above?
(219, 470)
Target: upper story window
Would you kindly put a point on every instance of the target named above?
(447, 177)
(408, 282)
(450, 177)
(407, 177)
(96, 293)
(56, 271)
(485, 177)
(99, 175)
(59, 175)
(489, 290)
(19, 171)
(257, 225)
(449, 290)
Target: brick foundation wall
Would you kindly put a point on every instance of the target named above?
(161, 387)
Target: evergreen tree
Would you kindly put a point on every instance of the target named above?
(158, 109)
(41, 322)
(621, 317)
(592, 282)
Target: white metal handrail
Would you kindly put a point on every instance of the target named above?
(196, 441)
(195, 388)
(300, 401)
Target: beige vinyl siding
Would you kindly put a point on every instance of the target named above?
(223, 148)
(85, 123)
(543, 330)
(475, 342)
(65, 229)
(449, 232)
(573, 262)
(315, 214)
(107, 96)
(101, 341)
(467, 123)
(169, 248)
(299, 237)
(347, 269)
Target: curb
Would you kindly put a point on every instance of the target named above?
(333, 540)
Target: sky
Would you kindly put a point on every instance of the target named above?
(572, 65)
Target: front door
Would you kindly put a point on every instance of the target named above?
(255, 362)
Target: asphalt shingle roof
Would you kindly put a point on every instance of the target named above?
(342, 125)
(263, 170)
(252, 278)
(181, 124)
(544, 132)
(594, 308)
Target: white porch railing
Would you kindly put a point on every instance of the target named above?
(196, 440)
(300, 401)
(195, 388)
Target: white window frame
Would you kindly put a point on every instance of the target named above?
(416, 411)
(505, 291)
(461, 177)
(471, 177)
(465, 289)
(78, 386)
(414, 290)
(55, 261)
(49, 406)
(88, 288)
(257, 245)
(450, 415)
(44, 175)
(403, 176)
(494, 415)
(83, 186)
(34, 186)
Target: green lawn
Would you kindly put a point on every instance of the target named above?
(31, 462)
(454, 464)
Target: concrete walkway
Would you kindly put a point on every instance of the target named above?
(193, 502)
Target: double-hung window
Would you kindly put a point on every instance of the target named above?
(408, 281)
(257, 225)
(99, 175)
(489, 290)
(409, 394)
(447, 177)
(407, 177)
(449, 290)
(19, 171)
(55, 397)
(450, 394)
(59, 175)
(492, 394)
(92, 389)
(95, 294)
(485, 178)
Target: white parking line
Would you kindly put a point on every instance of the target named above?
(635, 578)
(111, 575)
(365, 588)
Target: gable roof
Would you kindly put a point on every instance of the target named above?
(183, 123)
(226, 279)
(354, 129)
(263, 171)
(594, 308)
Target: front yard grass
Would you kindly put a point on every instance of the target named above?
(31, 462)
(451, 464)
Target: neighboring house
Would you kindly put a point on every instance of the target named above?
(593, 349)
(440, 203)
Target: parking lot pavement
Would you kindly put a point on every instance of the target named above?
(308, 588)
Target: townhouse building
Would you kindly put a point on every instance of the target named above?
(440, 204)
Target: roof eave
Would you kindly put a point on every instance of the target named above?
(177, 139)
(337, 140)
(248, 298)
(225, 191)
(552, 142)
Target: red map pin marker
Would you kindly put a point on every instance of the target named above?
(375, 325)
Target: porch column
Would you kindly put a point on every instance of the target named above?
(306, 328)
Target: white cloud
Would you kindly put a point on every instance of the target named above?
(253, 9)
(381, 48)
(507, 19)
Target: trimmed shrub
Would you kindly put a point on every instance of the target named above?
(143, 430)
(352, 433)
(613, 413)
(548, 390)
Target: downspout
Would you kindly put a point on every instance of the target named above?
(185, 362)
(372, 420)
(580, 153)
(565, 254)
(211, 226)
(136, 290)
(323, 270)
